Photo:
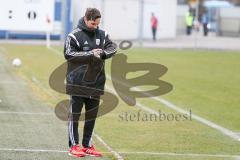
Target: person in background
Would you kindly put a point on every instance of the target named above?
(204, 21)
(154, 24)
(189, 22)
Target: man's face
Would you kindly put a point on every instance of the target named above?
(92, 24)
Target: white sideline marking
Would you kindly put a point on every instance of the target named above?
(26, 113)
(168, 104)
(31, 150)
(223, 130)
(36, 150)
(238, 134)
(116, 154)
(141, 153)
(183, 154)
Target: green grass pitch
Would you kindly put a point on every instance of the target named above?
(207, 82)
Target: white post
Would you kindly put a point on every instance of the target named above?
(140, 28)
(103, 16)
(48, 44)
(196, 23)
(48, 32)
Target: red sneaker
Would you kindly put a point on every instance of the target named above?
(91, 151)
(75, 151)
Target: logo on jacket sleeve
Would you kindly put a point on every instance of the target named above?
(97, 41)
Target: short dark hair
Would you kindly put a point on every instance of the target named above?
(92, 14)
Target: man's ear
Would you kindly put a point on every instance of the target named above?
(85, 19)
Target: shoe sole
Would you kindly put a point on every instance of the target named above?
(76, 156)
(92, 155)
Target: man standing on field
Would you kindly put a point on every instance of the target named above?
(86, 49)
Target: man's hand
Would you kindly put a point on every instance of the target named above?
(97, 52)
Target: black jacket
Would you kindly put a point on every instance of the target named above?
(85, 73)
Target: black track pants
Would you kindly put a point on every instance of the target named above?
(75, 108)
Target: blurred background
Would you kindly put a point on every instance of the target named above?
(132, 17)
